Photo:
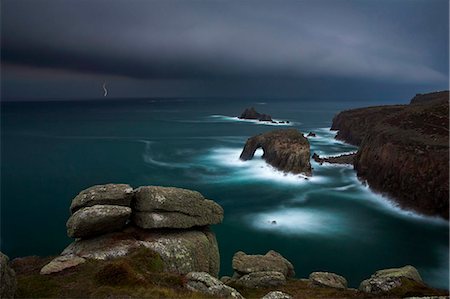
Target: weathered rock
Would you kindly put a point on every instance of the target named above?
(286, 150)
(403, 150)
(8, 283)
(341, 159)
(251, 113)
(96, 220)
(277, 295)
(109, 194)
(326, 279)
(261, 279)
(61, 263)
(168, 207)
(204, 283)
(182, 251)
(388, 279)
(271, 261)
(432, 96)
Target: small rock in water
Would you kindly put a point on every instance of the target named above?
(273, 222)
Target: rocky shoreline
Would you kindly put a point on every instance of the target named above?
(137, 258)
(403, 150)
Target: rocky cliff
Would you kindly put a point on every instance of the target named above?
(287, 150)
(404, 150)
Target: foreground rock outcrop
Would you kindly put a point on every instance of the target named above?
(113, 220)
(8, 283)
(255, 271)
(204, 283)
(386, 280)
(403, 150)
(287, 150)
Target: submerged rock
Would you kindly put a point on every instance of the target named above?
(169, 207)
(8, 283)
(204, 283)
(327, 279)
(96, 220)
(389, 279)
(109, 194)
(286, 149)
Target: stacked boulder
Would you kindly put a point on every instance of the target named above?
(111, 220)
(254, 271)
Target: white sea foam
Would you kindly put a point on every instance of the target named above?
(148, 157)
(225, 118)
(300, 221)
(255, 169)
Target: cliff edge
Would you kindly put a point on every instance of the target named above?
(403, 150)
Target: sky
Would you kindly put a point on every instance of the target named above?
(307, 50)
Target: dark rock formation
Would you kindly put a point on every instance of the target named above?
(106, 233)
(109, 194)
(286, 150)
(251, 113)
(327, 279)
(204, 283)
(386, 280)
(254, 271)
(168, 207)
(97, 220)
(432, 96)
(8, 283)
(404, 150)
(341, 159)
(311, 134)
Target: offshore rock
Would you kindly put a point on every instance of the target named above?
(341, 159)
(169, 207)
(96, 220)
(251, 113)
(286, 150)
(109, 194)
(403, 150)
(327, 279)
(182, 251)
(8, 283)
(204, 283)
(271, 261)
(389, 279)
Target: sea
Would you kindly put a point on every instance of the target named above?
(51, 150)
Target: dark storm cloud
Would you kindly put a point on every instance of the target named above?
(404, 41)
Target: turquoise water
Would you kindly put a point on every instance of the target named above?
(332, 222)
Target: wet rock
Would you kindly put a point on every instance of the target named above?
(340, 159)
(109, 194)
(326, 279)
(204, 283)
(261, 279)
(389, 279)
(8, 283)
(61, 263)
(277, 295)
(311, 134)
(251, 113)
(286, 149)
(169, 207)
(271, 261)
(96, 220)
(182, 251)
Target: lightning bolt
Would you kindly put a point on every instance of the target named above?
(104, 89)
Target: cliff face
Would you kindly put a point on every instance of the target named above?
(404, 150)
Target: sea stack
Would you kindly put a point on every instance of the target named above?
(287, 150)
(251, 113)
